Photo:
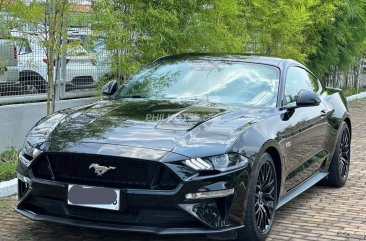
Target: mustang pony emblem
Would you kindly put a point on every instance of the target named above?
(100, 170)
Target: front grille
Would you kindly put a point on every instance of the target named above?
(128, 173)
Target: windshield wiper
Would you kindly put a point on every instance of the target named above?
(132, 96)
(193, 98)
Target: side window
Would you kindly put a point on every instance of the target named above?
(24, 46)
(298, 79)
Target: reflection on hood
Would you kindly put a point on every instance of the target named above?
(155, 124)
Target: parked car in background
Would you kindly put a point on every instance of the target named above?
(9, 73)
(81, 70)
(191, 144)
(97, 48)
(8, 61)
(32, 70)
(103, 59)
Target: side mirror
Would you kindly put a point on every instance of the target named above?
(307, 98)
(110, 88)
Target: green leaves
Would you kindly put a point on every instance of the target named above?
(8, 161)
(341, 31)
(327, 35)
(139, 31)
(314, 31)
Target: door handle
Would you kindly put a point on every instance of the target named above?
(323, 113)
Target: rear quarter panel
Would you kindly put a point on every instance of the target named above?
(337, 103)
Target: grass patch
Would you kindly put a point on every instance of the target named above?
(353, 91)
(4, 204)
(8, 162)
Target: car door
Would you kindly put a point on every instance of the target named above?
(8, 61)
(304, 147)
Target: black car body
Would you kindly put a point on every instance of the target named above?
(155, 151)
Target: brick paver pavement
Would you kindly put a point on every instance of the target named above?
(321, 213)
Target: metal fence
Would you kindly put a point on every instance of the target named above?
(23, 69)
(23, 64)
(84, 64)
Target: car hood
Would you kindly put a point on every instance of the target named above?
(183, 127)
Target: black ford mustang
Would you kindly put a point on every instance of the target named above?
(191, 144)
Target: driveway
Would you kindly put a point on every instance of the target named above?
(321, 213)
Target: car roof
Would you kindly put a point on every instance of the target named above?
(248, 58)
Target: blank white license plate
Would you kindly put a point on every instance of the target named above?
(93, 197)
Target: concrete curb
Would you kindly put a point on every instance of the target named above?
(356, 97)
(9, 188)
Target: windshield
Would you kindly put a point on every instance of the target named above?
(210, 80)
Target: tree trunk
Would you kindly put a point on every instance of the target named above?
(50, 51)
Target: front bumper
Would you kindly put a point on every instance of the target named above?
(123, 227)
(150, 211)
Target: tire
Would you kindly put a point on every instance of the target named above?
(255, 225)
(39, 85)
(339, 166)
(30, 90)
(30, 78)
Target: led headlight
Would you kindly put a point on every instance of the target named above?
(225, 162)
(199, 164)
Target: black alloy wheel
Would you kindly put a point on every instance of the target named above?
(262, 201)
(265, 197)
(344, 153)
(340, 164)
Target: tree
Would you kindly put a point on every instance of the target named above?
(277, 27)
(139, 31)
(340, 37)
(49, 18)
(329, 36)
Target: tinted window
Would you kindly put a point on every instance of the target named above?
(206, 79)
(298, 79)
(23, 46)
